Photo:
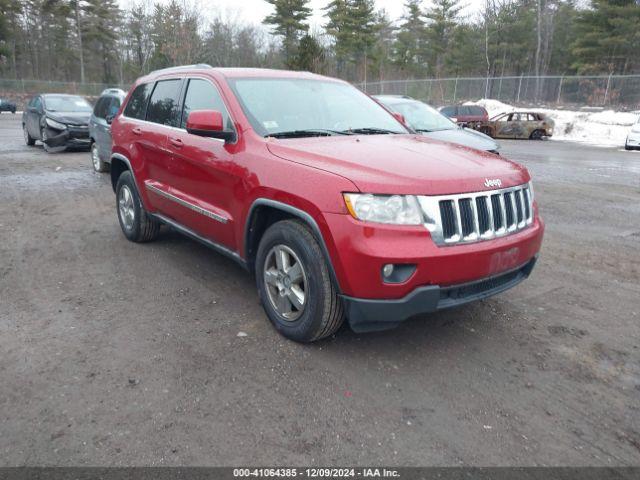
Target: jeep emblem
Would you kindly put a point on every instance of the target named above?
(495, 182)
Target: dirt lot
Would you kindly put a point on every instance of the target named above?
(114, 353)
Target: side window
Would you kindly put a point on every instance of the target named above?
(98, 110)
(202, 95)
(163, 106)
(37, 103)
(137, 105)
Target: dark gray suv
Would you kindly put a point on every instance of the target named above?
(100, 127)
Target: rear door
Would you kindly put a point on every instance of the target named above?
(204, 171)
(98, 126)
(162, 117)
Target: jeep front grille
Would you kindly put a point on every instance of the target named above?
(473, 217)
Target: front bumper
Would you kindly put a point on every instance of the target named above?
(368, 315)
(71, 137)
(633, 140)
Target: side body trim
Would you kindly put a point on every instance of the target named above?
(205, 241)
(308, 219)
(189, 205)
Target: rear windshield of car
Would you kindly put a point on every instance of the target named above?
(471, 110)
(66, 104)
(275, 105)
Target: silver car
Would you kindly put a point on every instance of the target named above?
(431, 123)
(100, 127)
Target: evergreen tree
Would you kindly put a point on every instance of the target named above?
(607, 37)
(310, 56)
(289, 21)
(339, 27)
(409, 48)
(442, 22)
(100, 23)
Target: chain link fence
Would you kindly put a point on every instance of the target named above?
(45, 86)
(21, 91)
(621, 92)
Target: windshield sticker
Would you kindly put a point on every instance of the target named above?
(270, 124)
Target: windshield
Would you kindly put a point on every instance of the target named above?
(421, 116)
(277, 105)
(66, 104)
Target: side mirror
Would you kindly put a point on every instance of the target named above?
(399, 117)
(208, 123)
(109, 119)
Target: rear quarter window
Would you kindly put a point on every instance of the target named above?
(163, 105)
(99, 109)
(137, 104)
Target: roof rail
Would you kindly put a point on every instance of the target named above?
(181, 67)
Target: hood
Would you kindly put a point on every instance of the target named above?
(465, 136)
(409, 164)
(70, 118)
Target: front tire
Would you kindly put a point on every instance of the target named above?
(294, 283)
(135, 223)
(27, 138)
(536, 135)
(98, 165)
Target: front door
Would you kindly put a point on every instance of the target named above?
(204, 171)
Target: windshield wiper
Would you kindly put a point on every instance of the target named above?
(312, 132)
(368, 130)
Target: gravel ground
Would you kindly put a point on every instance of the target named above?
(121, 354)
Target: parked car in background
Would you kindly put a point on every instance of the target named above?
(59, 121)
(7, 106)
(465, 113)
(633, 138)
(338, 209)
(517, 125)
(100, 127)
(431, 123)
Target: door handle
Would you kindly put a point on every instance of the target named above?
(137, 131)
(176, 142)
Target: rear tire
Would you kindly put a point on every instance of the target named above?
(487, 131)
(98, 165)
(27, 138)
(320, 313)
(135, 223)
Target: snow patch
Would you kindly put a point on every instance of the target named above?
(607, 128)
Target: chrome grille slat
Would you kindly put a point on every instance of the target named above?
(472, 217)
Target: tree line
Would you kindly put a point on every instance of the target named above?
(98, 41)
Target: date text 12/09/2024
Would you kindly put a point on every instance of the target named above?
(316, 472)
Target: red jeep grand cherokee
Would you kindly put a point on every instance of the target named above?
(338, 208)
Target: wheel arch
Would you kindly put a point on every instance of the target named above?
(263, 213)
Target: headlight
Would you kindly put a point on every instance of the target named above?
(57, 125)
(393, 209)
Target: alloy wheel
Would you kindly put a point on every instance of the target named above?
(95, 158)
(285, 282)
(126, 208)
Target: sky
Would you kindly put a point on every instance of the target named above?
(254, 11)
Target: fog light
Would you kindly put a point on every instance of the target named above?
(387, 270)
